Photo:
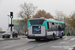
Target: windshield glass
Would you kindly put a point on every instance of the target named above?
(7, 32)
(36, 21)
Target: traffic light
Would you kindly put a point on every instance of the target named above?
(11, 14)
(11, 25)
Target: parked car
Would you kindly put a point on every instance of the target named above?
(8, 34)
(26, 33)
(14, 34)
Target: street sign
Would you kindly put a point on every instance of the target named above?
(11, 25)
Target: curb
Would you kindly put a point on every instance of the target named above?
(11, 38)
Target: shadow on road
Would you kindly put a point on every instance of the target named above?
(9, 39)
(48, 40)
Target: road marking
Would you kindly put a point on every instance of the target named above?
(65, 47)
(66, 38)
(72, 39)
(29, 47)
(73, 46)
(56, 46)
(70, 48)
(63, 42)
(41, 44)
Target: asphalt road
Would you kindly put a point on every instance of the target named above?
(1, 35)
(66, 43)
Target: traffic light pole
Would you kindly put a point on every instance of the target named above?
(11, 24)
(11, 16)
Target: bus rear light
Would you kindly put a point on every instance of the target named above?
(46, 31)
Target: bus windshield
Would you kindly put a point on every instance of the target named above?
(36, 21)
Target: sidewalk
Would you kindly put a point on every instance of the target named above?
(1, 39)
(20, 36)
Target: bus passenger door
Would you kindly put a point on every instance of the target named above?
(57, 32)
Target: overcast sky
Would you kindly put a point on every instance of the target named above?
(6, 6)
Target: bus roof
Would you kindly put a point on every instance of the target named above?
(48, 20)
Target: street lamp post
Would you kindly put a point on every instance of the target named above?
(8, 20)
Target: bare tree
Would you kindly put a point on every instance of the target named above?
(60, 15)
(42, 13)
(71, 20)
(0, 29)
(26, 12)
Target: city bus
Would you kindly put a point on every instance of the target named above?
(41, 28)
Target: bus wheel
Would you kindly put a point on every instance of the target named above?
(53, 37)
(60, 36)
(37, 39)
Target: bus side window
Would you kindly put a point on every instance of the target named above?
(60, 28)
(48, 25)
(53, 27)
(52, 23)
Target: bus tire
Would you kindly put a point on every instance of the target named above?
(37, 39)
(53, 36)
(61, 36)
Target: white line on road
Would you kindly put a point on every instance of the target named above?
(72, 39)
(63, 42)
(41, 44)
(70, 48)
(65, 47)
(73, 46)
(29, 47)
(56, 46)
(66, 38)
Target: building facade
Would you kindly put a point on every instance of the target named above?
(17, 26)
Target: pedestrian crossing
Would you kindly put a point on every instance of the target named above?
(68, 38)
(67, 43)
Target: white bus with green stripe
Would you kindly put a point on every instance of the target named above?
(44, 29)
